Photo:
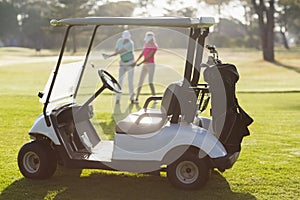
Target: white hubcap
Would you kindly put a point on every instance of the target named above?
(187, 172)
(31, 162)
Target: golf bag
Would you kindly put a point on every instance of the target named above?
(229, 121)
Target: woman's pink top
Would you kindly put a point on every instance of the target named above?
(147, 49)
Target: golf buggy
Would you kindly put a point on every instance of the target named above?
(173, 138)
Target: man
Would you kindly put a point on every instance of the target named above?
(125, 47)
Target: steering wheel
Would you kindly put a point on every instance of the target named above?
(109, 81)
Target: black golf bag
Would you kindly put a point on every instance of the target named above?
(230, 122)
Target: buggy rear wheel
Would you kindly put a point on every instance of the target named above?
(37, 160)
(188, 172)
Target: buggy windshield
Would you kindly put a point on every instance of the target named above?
(65, 85)
(76, 82)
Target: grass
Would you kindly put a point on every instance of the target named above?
(268, 167)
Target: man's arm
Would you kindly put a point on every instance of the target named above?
(123, 50)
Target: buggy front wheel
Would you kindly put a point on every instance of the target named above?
(37, 160)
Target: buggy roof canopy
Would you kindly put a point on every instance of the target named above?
(184, 22)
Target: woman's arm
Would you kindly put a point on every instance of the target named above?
(150, 55)
(140, 56)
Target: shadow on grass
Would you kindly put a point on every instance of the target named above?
(100, 185)
(293, 68)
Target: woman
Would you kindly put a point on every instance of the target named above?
(149, 50)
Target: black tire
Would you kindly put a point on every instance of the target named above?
(37, 160)
(188, 172)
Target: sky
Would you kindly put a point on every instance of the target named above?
(236, 10)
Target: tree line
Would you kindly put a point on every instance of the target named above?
(26, 22)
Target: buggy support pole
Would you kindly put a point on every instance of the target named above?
(54, 76)
(190, 54)
(199, 56)
(86, 58)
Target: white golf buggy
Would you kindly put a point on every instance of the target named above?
(173, 138)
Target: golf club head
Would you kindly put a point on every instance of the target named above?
(105, 56)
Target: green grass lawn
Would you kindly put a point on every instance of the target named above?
(268, 167)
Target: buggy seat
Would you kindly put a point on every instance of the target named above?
(150, 120)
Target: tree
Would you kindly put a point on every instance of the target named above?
(32, 29)
(116, 9)
(219, 4)
(266, 26)
(71, 9)
(32, 20)
(289, 19)
(180, 10)
(8, 21)
(250, 24)
(145, 6)
(282, 22)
